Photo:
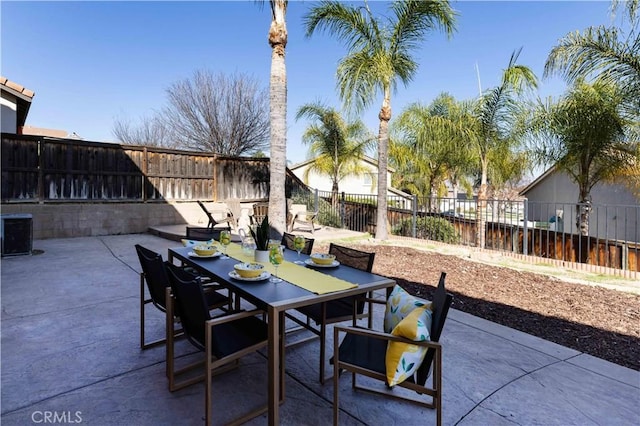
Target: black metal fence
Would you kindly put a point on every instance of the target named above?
(547, 230)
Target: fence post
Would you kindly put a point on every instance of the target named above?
(41, 164)
(315, 200)
(525, 235)
(342, 209)
(414, 230)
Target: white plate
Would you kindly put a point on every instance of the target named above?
(263, 276)
(194, 254)
(317, 265)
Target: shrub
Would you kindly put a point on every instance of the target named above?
(428, 228)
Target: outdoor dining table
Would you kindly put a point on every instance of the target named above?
(277, 297)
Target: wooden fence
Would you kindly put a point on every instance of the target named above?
(40, 169)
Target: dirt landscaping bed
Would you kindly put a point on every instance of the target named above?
(598, 321)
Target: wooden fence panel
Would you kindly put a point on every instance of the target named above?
(20, 161)
(42, 169)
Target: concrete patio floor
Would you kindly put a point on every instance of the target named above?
(70, 348)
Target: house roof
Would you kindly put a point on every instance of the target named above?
(41, 131)
(537, 180)
(364, 158)
(24, 97)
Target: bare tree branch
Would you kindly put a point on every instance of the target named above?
(209, 112)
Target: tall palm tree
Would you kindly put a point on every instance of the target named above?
(278, 116)
(583, 134)
(337, 145)
(496, 113)
(379, 56)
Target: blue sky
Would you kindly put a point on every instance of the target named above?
(91, 63)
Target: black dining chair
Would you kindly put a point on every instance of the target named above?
(334, 311)
(287, 241)
(224, 339)
(154, 274)
(364, 352)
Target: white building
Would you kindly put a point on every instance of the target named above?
(15, 101)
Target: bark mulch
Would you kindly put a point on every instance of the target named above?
(595, 320)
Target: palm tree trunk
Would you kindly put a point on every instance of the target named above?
(334, 197)
(383, 156)
(481, 211)
(582, 212)
(278, 118)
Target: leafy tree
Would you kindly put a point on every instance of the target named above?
(278, 116)
(431, 145)
(583, 134)
(379, 56)
(611, 55)
(208, 112)
(337, 145)
(497, 111)
(607, 54)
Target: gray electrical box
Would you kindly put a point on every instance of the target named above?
(17, 234)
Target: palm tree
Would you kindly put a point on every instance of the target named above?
(496, 112)
(606, 54)
(583, 134)
(430, 144)
(278, 116)
(336, 145)
(379, 55)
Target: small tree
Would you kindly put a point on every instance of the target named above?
(429, 145)
(336, 144)
(583, 135)
(497, 111)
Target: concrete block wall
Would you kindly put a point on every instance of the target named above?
(66, 220)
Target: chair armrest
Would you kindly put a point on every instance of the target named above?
(211, 286)
(371, 300)
(384, 336)
(234, 316)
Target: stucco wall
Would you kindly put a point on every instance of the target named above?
(615, 215)
(350, 184)
(8, 113)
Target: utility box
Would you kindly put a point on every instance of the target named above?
(17, 234)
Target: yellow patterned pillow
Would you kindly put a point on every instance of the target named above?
(399, 305)
(403, 359)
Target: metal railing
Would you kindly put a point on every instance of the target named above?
(546, 230)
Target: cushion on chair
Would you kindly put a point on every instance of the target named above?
(400, 304)
(403, 359)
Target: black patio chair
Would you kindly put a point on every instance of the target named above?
(363, 352)
(224, 339)
(334, 311)
(197, 233)
(287, 241)
(154, 273)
